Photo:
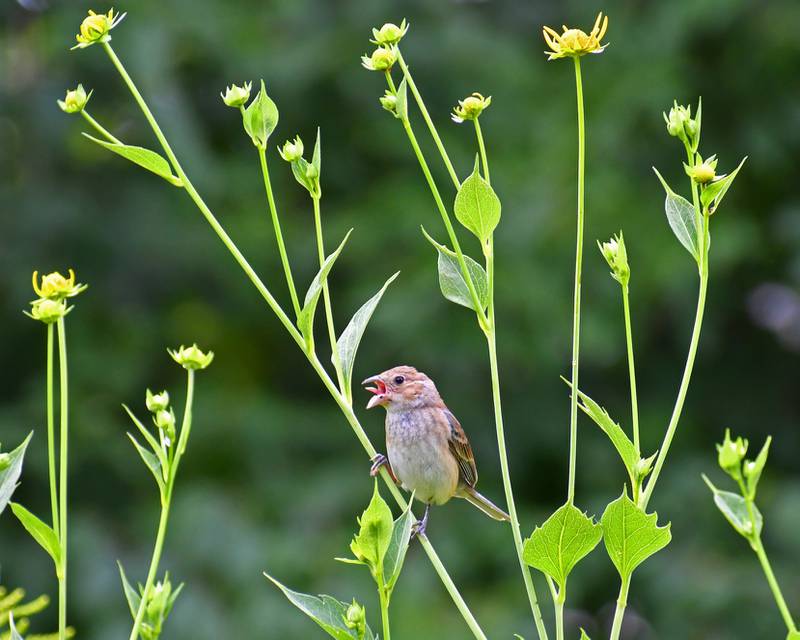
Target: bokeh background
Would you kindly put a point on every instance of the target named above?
(274, 477)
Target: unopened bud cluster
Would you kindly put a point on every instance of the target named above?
(681, 124)
(159, 603)
(730, 455)
(305, 172)
(617, 258)
(163, 415)
(356, 619)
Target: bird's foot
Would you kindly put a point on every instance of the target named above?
(421, 525)
(379, 461)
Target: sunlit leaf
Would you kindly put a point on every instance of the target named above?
(398, 545)
(145, 158)
(477, 206)
(40, 532)
(736, 511)
(682, 218)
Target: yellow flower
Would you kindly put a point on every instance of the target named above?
(75, 100)
(191, 357)
(470, 107)
(95, 28)
(54, 286)
(574, 42)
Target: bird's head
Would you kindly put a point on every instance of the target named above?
(401, 388)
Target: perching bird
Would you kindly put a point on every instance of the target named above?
(428, 451)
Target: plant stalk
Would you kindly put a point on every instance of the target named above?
(631, 366)
(51, 428)
(622, 603)
(100, 129)
(758, 547)
(62, 483)
(384, 602)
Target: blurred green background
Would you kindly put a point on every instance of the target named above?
(274, 477)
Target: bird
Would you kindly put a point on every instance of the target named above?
(427, 451)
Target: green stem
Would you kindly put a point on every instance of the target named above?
(344, 405)
(576, 308)
(426, 116)
(326, 295)
(558, 605)
(51, 428)
(631, 366)
(62, 483)
(619, 614)
(287, 269)
(384, 602)
(482, 149)
(99, 128)
(758, 547)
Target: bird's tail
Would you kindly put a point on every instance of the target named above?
(484, 504)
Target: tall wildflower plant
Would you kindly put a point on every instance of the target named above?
(630, 532)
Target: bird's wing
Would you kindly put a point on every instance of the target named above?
(459, 445)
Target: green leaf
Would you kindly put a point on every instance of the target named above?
(398, 545)
(631, 535)
(584, 635)
(682, 218)
(620, 440)
(348, 342)
(561, 542)
(477, 206)
(734, 508)
(327, 612)
(402, 100)
(316, 159)
(131, 595)
(151, 440)
(260, 118)
(753, 470)
(150, 460)
(40, 532)
(451, 278)
(12, 628)
(145, 158)
(713, 193)
(375, 534)
(305, 321)
(11, 472)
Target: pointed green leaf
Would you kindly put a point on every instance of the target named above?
(451, 277)
(11, 471)
(40, 532)
(348, 342)
(316, 159)
(584, 635)
(631, 535)
(131, 595)
(477, 206)
(682, 218)
(260, 118)
(735, 509)
(327, 612)
(150, 460)
(402, 100)
(375, 533)
(752, 470)
(398, 545)
(149, 437)
(145, 158)
(561, 542)
(305, 321)
(713, 193)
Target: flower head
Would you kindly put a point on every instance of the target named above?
(292, 149)
(470, 107)
(236, 96)
(54, 286)
(617, 257)
(730, 455)
(75, 100)
(191, 357)
(389, 33)
(704, 171)
(95, 28)
(47, 310)
(382, 59)
(575, 43)
(681, 124)
(156, 401)
(356, 618)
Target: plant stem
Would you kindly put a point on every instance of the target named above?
(287, 269)
(631, 366)
(758, 547)
(51, 428)
(62, 483)
(326, 295)
(576, 308)
(343, 403)
(431, 127)
(482, 149)
(384, 602)
(619, 614)
(558, 604)
(100, 129)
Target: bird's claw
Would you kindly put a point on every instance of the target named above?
(420, 526)
(377, 462)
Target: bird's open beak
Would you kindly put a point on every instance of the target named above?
(379, 389)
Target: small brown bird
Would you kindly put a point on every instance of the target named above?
(428, 451)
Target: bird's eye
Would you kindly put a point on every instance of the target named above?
(399, 379)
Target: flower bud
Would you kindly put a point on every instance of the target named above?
(617, 258)
(470, 107)
(382, 59)
(48, 311)
(157, 607)
(236, 96)
(156, 401)
(704, 171)
(292, 149)
(389, 33)
(191, 357)
(75, 100)
(165, 421)
(356, 619)
(95, 28)
(389, 102)
(55, 286)
(731, 453)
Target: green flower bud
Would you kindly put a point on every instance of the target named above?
(382, 59)
(165, 421)
(156, 401)
(75, 100)
(389, 102)
(95, 28)
(191, 357)
(731, 453)
(260, 118)
(677, 121)
(389, 33)
(356, 619)
(617, 257)
(292, 149)
(55, 286)
(48, 311)
(470, 107)
(236, 96)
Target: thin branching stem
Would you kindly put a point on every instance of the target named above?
(99, 128)
(62, 483)
(626, 307)
(51, 428)
(622, 603)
